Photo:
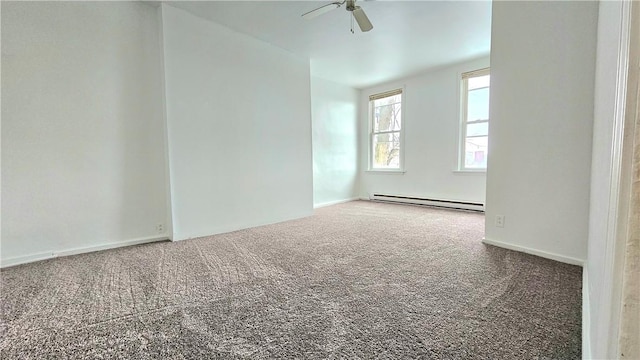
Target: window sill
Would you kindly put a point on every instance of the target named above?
(389, 172)
(470, 172)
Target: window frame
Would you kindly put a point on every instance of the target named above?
(464, 99)
(370, 120)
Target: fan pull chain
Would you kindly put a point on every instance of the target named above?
(351, 16)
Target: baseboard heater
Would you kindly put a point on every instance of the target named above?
(449, 204)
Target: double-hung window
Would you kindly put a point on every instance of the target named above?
(385, 141)
(475, 120)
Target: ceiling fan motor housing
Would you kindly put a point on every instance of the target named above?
(357, 12)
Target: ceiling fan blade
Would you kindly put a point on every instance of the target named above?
(362, 19)
(321, 10)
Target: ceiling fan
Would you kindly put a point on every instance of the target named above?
(357, 12)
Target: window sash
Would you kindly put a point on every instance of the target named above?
(373, 133)
(394, 117)
(372, 164)
(477, 121)
(466, 136)
(384, 132)
(465, 122)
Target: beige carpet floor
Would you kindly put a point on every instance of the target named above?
(357, 280)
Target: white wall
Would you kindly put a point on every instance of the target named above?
(82, 141)
(603, 281)
(542, 66)
(239, 128)
(334, 109)
(431, 119)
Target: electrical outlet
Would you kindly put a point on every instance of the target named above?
(500, 221)
(160, 228)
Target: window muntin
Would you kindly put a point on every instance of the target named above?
(385, 139)
(475, 120)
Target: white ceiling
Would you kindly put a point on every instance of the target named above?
(408, 36)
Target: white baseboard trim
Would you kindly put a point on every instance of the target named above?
(19, 260)
(329, 203)
(586, 316)
(227, 228)
(544, 254)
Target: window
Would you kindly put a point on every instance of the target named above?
(385, 141)
(475, 120)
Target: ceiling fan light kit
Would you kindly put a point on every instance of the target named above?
(356, 11)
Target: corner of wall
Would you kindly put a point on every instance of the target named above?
(586, 315)
(169, 193)
(359, 140)
(335, 115)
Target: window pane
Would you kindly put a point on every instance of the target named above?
(478, 104)
(386, 151)
(478, 129)
(479, 82)
(387, 116)
(475, 153)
